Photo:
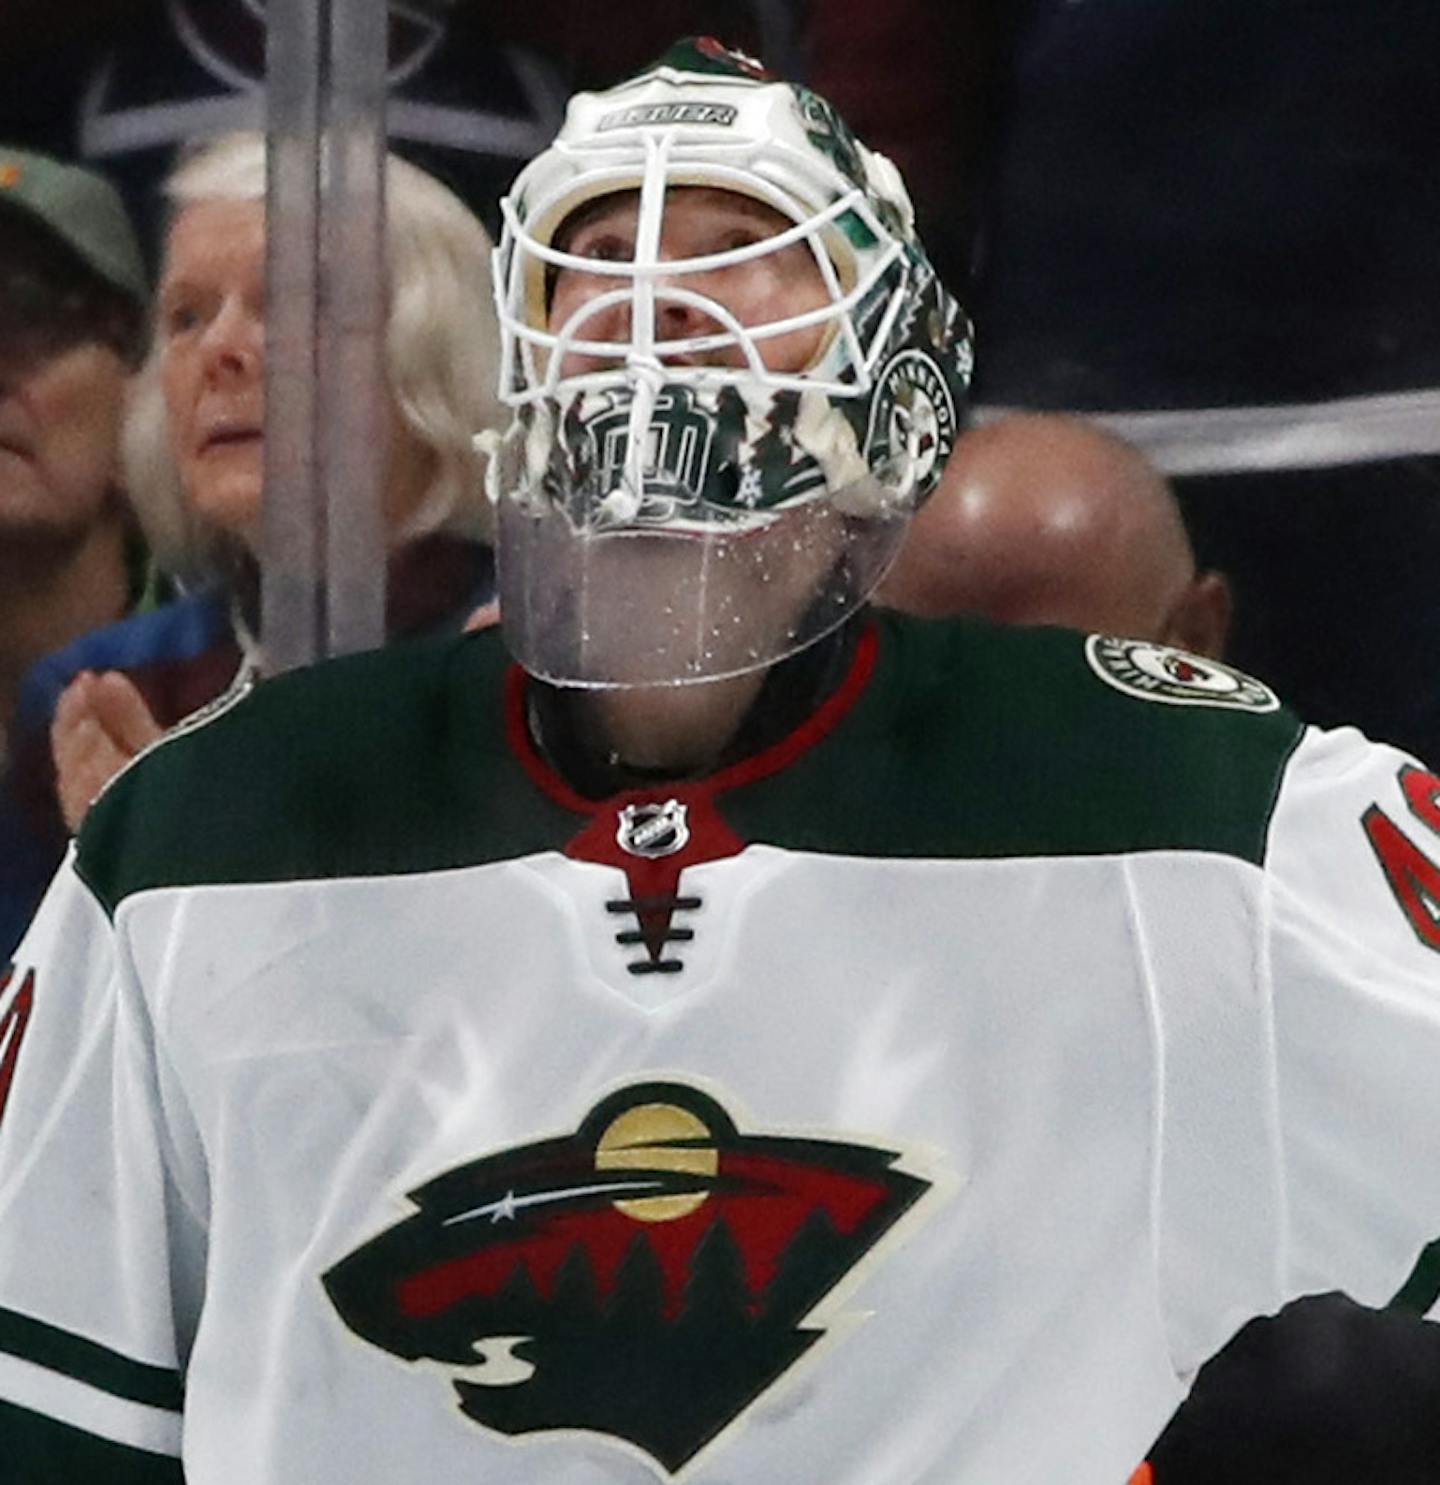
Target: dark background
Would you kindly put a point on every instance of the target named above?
(1150, 205)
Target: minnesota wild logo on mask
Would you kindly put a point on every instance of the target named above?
(712, 459)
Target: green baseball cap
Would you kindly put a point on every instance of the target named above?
(82, 209)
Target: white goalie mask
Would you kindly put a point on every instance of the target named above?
(707, 470)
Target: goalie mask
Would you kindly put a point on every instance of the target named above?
(733, 371)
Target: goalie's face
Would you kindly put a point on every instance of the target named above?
(697, 303)
(684, 496)
(733, 371)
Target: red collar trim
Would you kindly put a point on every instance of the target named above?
(779, 755)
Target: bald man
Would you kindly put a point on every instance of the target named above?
(1042, 518)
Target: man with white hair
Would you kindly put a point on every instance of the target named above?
(747, 1038)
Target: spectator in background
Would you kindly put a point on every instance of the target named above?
(72, 298)
(194, 453)
(72, 308)
(1042, 518)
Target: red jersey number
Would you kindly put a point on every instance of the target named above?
(15, 1006)
(1414, 878)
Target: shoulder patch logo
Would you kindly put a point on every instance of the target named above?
(645, 1278)
(1155, 672)
(16, 1000)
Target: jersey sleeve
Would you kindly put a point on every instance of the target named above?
(1353, 964)
(96, 1236)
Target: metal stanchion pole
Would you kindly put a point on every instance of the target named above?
(322, 584)
(292, 531)
(354, 405)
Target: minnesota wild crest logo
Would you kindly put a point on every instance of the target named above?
(677, 453)
(645, 1278)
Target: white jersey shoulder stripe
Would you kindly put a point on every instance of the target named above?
(92, 1411)
(238, 689)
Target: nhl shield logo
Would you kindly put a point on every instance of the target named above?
(1156, 672)
(653, 830)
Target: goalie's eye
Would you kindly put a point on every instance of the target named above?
(602, 228)
(605, 247)
(736, 238)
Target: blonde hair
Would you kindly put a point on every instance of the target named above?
(441, 354)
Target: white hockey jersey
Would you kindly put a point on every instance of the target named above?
(917, 1102)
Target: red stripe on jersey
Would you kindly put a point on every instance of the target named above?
(817, 726)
